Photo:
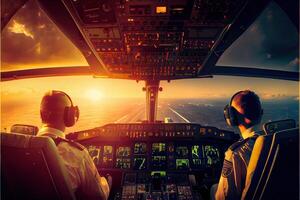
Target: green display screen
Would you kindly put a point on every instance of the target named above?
(158, 148)
(212, 154)
(182, 163)
(159, 173)
(197, 151)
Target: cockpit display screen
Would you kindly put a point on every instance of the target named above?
(94, 152)
(159, 162)
(159, 156)
(123, 163)
(123, 151)
(140, 163)
(197, 155)
(107, 159)
(212, 154)
(158, 148)
(182, 163)
(140, 148)
(123, 160)
(182, 151)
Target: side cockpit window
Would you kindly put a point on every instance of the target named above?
(271, 42)
(31, 40)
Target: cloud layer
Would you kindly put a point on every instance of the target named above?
(30, 39)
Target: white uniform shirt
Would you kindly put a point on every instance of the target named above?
(81, 169)
(232, 180)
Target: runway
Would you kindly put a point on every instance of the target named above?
(138, 114)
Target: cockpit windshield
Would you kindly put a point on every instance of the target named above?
(103, 101)
(265, 45)
(32, 40)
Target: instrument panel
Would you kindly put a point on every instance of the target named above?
(153, 146)
(156, 156)
(157, 39)
(157, 161)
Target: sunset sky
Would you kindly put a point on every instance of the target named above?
(31, 40)
(217, 87)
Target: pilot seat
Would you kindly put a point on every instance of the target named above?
(273, 170)
(32, 169)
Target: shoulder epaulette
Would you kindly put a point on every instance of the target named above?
(58, 140)
(77, 145)
(236, 144)
(241, 142)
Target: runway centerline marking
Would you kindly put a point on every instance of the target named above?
(182, 117)
(121, 118)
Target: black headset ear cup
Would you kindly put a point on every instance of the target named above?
(230, 115)
(69, 118)
(71, 115)
(77, 113)
(234, 116)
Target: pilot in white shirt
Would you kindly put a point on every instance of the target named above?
(58, 112)
(244, 111)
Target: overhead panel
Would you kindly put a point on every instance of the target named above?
(149, 39)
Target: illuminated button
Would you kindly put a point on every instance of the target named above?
(202, 131)
(161, 9)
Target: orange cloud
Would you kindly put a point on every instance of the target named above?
(18, 28)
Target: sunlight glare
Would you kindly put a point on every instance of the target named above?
(94, 95)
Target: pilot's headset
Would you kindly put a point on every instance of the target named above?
(71, 113)
(231, 114)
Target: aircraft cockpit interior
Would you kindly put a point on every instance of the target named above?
(158, 160)
(176, 151)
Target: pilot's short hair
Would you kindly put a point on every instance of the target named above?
(52, 105)
(250, 104)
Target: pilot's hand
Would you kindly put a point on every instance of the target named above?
(109, 180)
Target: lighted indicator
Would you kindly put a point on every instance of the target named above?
(161, 9)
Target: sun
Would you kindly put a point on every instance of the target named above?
(94, 95)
